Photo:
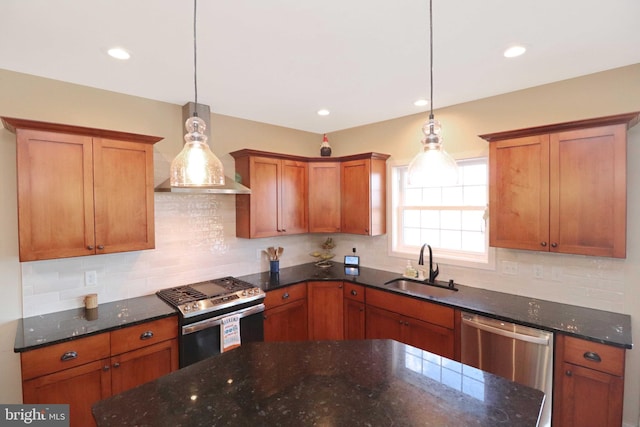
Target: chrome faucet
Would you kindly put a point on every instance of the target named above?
(432, 273)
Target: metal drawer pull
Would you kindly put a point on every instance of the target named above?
(69, 355)
(285, 296)
(146, 335)
(594, 357)
(354, 293)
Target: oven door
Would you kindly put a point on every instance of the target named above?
(202, 339)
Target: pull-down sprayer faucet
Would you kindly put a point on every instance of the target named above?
(432, 273)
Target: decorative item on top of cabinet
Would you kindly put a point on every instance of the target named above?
(588, 383)
(83, 371)
(277, 204)
(364, 194)
(82, 191)
(561, 188)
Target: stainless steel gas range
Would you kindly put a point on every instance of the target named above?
(215, 315)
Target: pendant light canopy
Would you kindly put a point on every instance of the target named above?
(196, 165)
(432, 165)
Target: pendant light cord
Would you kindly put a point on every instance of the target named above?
(195, 59)
(431, 58)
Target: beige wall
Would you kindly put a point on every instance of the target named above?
(611, 92)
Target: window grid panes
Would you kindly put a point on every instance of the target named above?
(451, 218)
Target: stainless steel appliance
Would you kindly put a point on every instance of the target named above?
(519, 353)
(202, 308)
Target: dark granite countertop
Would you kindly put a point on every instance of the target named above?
(343, 383)
(47, 329)
(595, 325)
(591, 324)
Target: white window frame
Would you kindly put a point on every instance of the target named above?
(443, 256)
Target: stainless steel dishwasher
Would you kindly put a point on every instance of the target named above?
(519, 353)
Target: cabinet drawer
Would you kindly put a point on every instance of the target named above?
(285, 295)
(594, 355)
(65, 355)
(407, 306)
(353, 292)
(144, 334)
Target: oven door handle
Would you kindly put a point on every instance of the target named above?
(216, 321)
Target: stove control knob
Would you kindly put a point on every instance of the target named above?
(244, 293)
(186, 307)
(195, 306)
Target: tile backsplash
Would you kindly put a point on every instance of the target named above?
(195, 240)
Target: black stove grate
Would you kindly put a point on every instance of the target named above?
(180, 295)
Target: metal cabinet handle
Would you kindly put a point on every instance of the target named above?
(106, 368)
(568, 373)
(340, 286)
(116, 365)
(354, 292)
(100, 247)
(554, 245)
(90, 247)
(543, 244)
(69, 355)
(594, 357)
(146, 335)
(285, 295)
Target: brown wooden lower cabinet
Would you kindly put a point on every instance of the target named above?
(588, 384)
(326, 311)
(78, 373)
(354, 311)
(285, 314)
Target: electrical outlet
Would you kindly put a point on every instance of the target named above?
(538, 271)
(90, 278)
(510, 267)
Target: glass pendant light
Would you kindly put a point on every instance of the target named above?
(196, 165)
(432, 165)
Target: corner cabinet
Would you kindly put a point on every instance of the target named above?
(277, 204)
(325, 310)
(82, 191)
(561, 188)
(364, 193)
(324, 197)
(588, 385)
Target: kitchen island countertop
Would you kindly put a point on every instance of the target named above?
(368, 382)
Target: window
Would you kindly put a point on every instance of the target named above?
(451, 219)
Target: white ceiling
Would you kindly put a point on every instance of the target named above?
(279, 61)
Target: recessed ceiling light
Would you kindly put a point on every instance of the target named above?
(118, 53)
(421, 103)
(514, 51)
(323, 112)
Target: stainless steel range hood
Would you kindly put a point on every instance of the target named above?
(230, 186)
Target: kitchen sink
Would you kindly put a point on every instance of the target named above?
(423, 288)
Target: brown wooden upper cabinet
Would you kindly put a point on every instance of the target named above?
(277, 204)
(294, 194)
(364, 194)
(561, 188)
(82, 191)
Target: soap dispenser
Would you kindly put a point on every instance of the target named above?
(409, 271)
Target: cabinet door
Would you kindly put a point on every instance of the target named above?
(383, 324)
(519, 193)
(124, 212)
(590, 398)
(324, 197)
(293, 198)
(355, 200)
(354, 320)
(588, 191)
(264, 209)
(429, 337)
(137, 367)
(55, 195)
(80, 387)
(326, 317)
(286, 322)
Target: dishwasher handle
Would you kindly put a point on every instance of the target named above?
(543, 340)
